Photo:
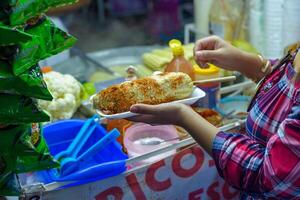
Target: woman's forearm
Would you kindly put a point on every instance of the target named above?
(202, 131)
(250, 65)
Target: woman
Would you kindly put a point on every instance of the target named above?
(264, 163)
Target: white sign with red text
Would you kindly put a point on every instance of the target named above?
(189, 174)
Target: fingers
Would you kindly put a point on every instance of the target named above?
(206, 56)
(157, 114)
(148, 119)
(145, 109)
(207, 43)
(205, 50)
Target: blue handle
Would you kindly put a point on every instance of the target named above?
(82, 142)
(80, 139)
(68, 165)
(102, 143)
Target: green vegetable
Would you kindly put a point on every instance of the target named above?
(88, 89)
(29, 83)
(47, 40)
(10, 36)
(17, 109)
(20, 11)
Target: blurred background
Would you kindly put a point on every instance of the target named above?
(115, 34)
(101, 24)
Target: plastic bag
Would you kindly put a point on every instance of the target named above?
(26, 146)
(8, 52)
(16, 12)
(47, 40)
(9, 183)
(37, 157)
(18, 109)
(23, 149)
(6, 3)
(29, 83)
(10, 36)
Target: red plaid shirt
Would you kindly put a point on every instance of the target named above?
(264, 163)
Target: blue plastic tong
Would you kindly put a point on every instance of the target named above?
(69, 158)
(85, 132)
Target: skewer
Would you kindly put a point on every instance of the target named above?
(221, 79)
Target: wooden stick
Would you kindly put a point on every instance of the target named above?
(221, 79)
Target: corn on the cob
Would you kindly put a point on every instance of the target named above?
(154, 62)
(164, 53)
(153, 90)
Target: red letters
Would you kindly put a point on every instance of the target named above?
(153, 183)
(135, 187)
(151, 180)
(196, 195)
(113, 191)
(212, 193)
(185, 173)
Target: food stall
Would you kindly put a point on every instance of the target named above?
(58, 142)
(149, 173)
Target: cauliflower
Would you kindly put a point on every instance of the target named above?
(66, 92)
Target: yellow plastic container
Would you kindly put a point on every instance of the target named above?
(206, 73)
(211, 89)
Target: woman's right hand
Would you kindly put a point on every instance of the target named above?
(222, 54)
(215, 50)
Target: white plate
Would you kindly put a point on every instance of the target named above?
(196, 95)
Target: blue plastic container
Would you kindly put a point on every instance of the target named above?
(211, 98)
(110, 161)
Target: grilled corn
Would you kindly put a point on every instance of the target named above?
(156, 89)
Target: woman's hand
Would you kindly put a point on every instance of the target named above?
(159, 114)
(177, 114)
(222, 54)
(216, 51)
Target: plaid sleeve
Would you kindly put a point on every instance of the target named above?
(272, 170)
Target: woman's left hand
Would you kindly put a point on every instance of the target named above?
(177, 114)
(159, 114)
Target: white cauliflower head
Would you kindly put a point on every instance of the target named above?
(66, 92)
